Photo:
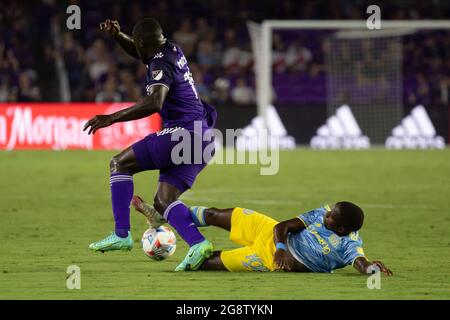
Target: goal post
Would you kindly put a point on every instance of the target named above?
(355, 30)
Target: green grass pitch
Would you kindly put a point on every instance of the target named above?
(53, 204)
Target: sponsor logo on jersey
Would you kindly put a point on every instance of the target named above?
(325, 248)
(157, 74)
(168, 131)
(182, 62)
(354, 236)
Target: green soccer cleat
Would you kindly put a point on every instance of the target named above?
(113, 242)
(195, 256)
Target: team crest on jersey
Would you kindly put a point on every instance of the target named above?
(354, 236)
(334, 240)
(157, 74)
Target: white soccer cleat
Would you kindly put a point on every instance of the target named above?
(154, 218)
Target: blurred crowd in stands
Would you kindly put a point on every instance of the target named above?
(213, 35)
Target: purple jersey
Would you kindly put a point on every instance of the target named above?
(182, 105)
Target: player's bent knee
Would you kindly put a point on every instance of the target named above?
(115, 165)
(160, 204)
(118, 165)
(163, 200)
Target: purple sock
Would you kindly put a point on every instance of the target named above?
(121, 195)
(179, 217)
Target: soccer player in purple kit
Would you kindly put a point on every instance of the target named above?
(171, 92)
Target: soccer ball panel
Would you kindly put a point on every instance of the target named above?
(159, 244)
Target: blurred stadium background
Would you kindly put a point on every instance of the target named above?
(332, 88)
(42, 61)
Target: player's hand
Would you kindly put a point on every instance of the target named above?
(283, 260)
(111, 27)
(382, 267)
(97, 122)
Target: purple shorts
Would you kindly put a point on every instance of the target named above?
(155, 152)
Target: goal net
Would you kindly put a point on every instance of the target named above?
(375, 74)
(364, 71)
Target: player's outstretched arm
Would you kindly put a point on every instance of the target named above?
(364, 266)
(282, 258)
(125, 41)
(144, 108)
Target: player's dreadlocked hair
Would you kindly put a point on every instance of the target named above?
(149, 30)
(352, 215)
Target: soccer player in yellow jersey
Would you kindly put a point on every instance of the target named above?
(321, 240)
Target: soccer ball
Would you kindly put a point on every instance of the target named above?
(159, 244)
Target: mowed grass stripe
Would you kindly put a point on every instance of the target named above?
(53, 204)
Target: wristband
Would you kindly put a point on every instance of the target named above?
(281, 245)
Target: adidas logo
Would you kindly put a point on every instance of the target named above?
(416, 131)
(341, 131)
(251, 140)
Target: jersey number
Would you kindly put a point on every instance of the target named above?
(188, 77)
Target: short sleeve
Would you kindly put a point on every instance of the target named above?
(312, 216)
(159, 72)
(352, 250)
